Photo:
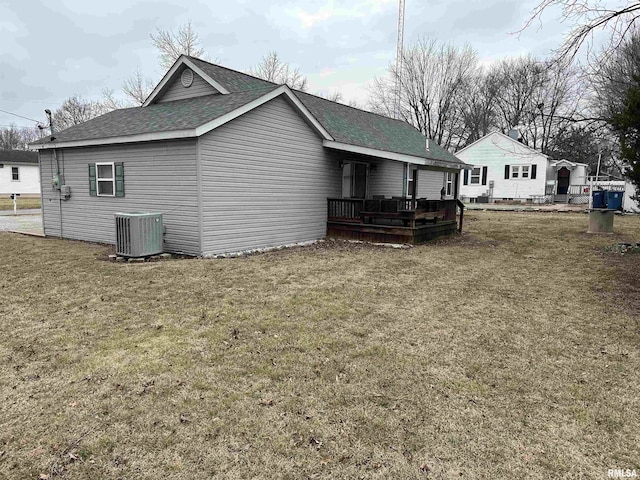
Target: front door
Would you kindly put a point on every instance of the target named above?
(563, 180)
(359, 189)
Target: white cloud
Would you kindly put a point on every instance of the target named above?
(309, 19)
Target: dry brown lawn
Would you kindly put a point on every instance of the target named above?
(23, 203)
(509, 352)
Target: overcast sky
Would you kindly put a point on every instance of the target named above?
(52, 50)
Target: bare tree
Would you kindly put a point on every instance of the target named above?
(76, 110)
(478, 107)
(273, 69)
(17, 138)
(171, 45)
(587, 17)
(432, 81)
(137, 87)
(109, 101)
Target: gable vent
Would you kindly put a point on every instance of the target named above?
(187, 78)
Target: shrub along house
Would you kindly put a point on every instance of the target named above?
(236, 163)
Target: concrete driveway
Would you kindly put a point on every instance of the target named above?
(26, 221)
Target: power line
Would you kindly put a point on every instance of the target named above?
(16, 115)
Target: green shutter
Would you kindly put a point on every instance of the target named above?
(119, 179)
(506, 172)
(92, 180)
(466, 177)
(534, 171)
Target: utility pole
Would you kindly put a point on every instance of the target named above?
(399, 52)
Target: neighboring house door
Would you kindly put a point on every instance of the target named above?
(563, 180)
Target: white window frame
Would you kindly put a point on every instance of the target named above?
(17, 170)
(478, 176)
(409, 168)
(112, 179)
(448, 184)
(518, 172)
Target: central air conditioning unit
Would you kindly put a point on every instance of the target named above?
(139, 234)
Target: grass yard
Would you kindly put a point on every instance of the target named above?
(23, 203)
(510, 352)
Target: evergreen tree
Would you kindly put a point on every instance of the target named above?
(626, 123)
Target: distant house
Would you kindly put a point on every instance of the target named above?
(505, 169)
(19, 173)
(237, 163)
(628, 203)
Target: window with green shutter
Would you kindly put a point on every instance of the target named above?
(106, 179)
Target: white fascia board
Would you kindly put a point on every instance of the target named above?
(399, 157)
(281, 90)
(143, 137)
(205, 76)
(171, 73)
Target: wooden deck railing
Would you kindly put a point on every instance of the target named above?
(350, 209)
(345, 209)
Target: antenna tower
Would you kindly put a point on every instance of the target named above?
(399, 54)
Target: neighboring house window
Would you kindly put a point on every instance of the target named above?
(15, 174)
(449, 184)
(106, 179)
(520, 171)
(475, 176)
(476, 173)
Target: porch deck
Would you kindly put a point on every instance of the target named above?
(395, 220)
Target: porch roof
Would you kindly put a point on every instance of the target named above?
(566, 163)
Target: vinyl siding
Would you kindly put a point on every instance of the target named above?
(495, 151)
(159, 177)
(265, 181)
(176, 91)
(387, 178)
(430, 183)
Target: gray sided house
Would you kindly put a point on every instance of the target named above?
(233, 163)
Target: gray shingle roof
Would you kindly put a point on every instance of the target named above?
(232, 80)
(365, 129)
(345, 124)
(18, 156)
(184, 114)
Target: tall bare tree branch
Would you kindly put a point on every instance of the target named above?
(171, 45)
(273, 69)
(587, 18)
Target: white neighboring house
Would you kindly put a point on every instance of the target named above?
(628, 204)
(19, 173)
(506, 169)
